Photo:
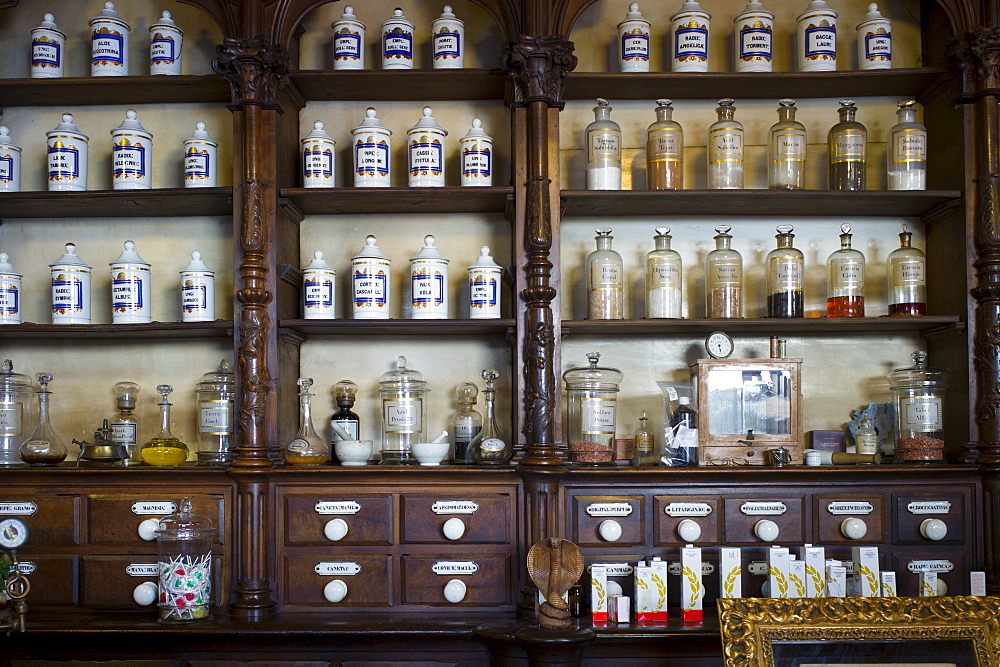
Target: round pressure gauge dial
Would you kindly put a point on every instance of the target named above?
(719, 345)
(13, 533)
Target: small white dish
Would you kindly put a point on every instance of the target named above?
(430, 453)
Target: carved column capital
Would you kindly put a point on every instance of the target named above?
(537, 66)
(976, 55)
(254, 68)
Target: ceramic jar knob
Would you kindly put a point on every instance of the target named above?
(335, 530)
(454, 528)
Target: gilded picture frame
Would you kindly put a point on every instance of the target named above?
(756, 630)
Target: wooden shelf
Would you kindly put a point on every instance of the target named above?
(688, 85)
(164, 330)
(102, 90)
(399, 327)
(404, 84)
(336, 201)
(826, 203)
(841, 326)
(155, 203)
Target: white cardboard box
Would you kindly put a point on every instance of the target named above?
(692, 590)
(836, 579)
(866, 571)
(888, 584)
(815, 560)
(598, 594)
(730, 572)
(778, 584)
(797, 578)
(928, 584)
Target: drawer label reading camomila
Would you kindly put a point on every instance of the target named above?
(763, 508)
(18, 509)
(609, 509)
(328, 568)
(687, 509)
(142, 569)
(337, 507)
(455, 567)
(454, 507)
(154, 507)
(929, 507)
(850, 507)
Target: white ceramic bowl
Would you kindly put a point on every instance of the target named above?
(430, 453)
(353, 452)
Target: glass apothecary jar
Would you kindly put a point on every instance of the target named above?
(402, 392)
(184, 545)
(16, 395)
(918, 394)
(591, 397)
(216, 393)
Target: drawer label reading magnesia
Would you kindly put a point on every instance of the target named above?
(929, 507)
(763, 508)
(850, 507)
(609, 509)
(18, 509)
(154, 507)
(337, 507)
(142, 569)
(687, 509)
(455, 567)
(674, 567)
(328, 568)
(916, 566)
(454, 507)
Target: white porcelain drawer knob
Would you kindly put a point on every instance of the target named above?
(335, 529)
(609, 530)
(145, 593)
(853, 528)
(335, 591)
(453, 528)
(454, 591)
(934, 529)
(689, 530)
(148, 528)
(766, 530)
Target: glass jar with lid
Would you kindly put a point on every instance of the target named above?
(591, 396)
(918, 394)
(216, 392)
(16, 391)
(785, 275)
(724, 272)
(605, 280)
(184, 545)
(402, 392)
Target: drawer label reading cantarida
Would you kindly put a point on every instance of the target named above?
(154, 507)
(763, 508)
(337, 507)
(455, 567)
(142, 569)
(329, 568)
(609, 509)
(929, 507)
(18, 509)
(687, 509)
(850, 507)
(455, 507)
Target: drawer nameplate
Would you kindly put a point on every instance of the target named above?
(18, 509)
(26, 567)
(615, 569)
(609, 509)
(930, 566)
(455, 567)
(455, 507)
(674, 567)
(850, 507)
(687, 509)
(154, 507)
(328, 568)
(337, 507)
(770, 508)
(142, 569)
(929, 507)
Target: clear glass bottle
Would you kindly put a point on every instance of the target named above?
(164, 449)
(43, 446)
(664, 150)
(591, 399)
(467, 422)
(125, 425)
(906, 271)
(645, 448)
(907, 150)
(216, 397)
(847, 146)
(725, 149)
(663, 278)
(605, 280)
(785, 275)
(724, 277)
(490, 446)
(684, 429)
(402, 392)
(787, 150)
(306, 448)
(865, 438)
(919, 397)
(15, 412)
(345, 392)
(846, 297)
(604, 150)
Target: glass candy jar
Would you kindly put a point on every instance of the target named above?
(15, 412)
(184, 545)
(918, 394)
(216, 392)
(402, 392)
(591, 396)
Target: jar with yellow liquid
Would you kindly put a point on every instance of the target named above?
(164, 449)
(306, 448)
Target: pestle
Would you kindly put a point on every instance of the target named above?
(344, 435)
(440, 438)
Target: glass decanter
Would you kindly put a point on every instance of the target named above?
(724, 273)
(43, 446)
(345, 392)
(125, 425)
(164, 449)
(605, 276)
(725, 149)
(787, 158)
(467, 422)
(847, 279)
(663, 278)
(848, 144)
(306, 448)
(785, 271)
(906, 271)
(490, 447)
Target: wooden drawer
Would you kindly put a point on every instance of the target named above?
(831, 510)
(489, 585)
(370, 586)
(740, 519)
(957, 578)
(911, 511)
(106, 582)
(424, 517)
(368, 519)
(52, 521)
(587, 513)
(112, 521)
(681, 508)
(53, 579)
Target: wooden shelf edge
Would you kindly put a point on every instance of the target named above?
(450, 199)
(762, 326)
(499, 327)
(152, 203)
(105, 90)
(165, 330)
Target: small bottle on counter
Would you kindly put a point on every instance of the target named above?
(724, 277)
(48, 48)
(605, 280)
(345, 392)
(108, 43)
(125, 425)
(874, 40)
(689, 28)
(907, 150)
(684, 426)
(848, 146)
(663, 278)
(816, 38)
(645, 447)
(603, 140)
(906, 270)
(754, 34)
(787, 154)
(725, 149)
(664, 150)
(348, 41)
(490, 446)
(306, 448)
(467, 422)
(633, 41)
(785, 277)
(448, 40)
(865, 438)
(847, 279)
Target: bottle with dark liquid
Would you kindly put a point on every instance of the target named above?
(685, 429)
(907, 278)
(468, 422)
(345, 391)
(848, 143)
(785, 266)
(847, 279)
